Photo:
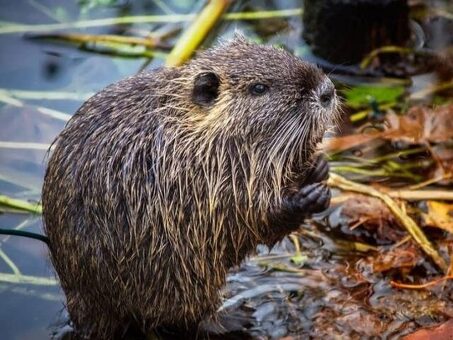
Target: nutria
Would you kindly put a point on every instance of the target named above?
(162, 182)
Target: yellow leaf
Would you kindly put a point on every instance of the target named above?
(440, 215)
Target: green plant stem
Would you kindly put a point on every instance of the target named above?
(24, 145)
(28, 279)
(45, 95)
(398, 154)
(124, 51)
(5, 98)
(10, 263)
(355, 117)
(378, 172)
(194, 35)
(100, 38)
(381, 50)
(34, 208)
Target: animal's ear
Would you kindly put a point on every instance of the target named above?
(205, 88)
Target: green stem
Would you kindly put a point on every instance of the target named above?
(10, 263)
(28, 279)
(381, 50)
(398, 154)
(34, 208)
(374, 173)
(45, 95)
(194, 35)
(6, 98)
(355, 117)
(24, 145)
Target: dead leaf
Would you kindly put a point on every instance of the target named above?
(350, 141)
(439, 215)
(371, 214)
(441, 332)
(422, 125)
(368, 325)
(405, 257)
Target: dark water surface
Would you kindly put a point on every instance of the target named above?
(275, 303)
(28, 310)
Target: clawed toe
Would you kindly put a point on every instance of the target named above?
(313, 198)
(319, 172)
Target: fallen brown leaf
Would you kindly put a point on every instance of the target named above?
(350, 141)
(439, 215)
(405, 257)
(441, 332)
(422, 125)
(372, 214)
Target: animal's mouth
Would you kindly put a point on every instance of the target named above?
(323, 126)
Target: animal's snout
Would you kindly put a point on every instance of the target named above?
(326, 93)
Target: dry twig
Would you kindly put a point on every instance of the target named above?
(408, 223)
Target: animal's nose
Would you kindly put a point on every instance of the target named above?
(326, 93)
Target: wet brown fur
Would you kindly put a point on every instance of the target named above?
(149, 198)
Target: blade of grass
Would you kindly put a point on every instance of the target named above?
(123, 51)
(28, 279)
(258, 15)
(5, 98)
(429, 181)
(45, 95)
(24, 145)
(381, 50)
(34, 208)
(357, 116)
(150, 42)
(10, 263)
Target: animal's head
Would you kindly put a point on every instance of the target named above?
(259, 95)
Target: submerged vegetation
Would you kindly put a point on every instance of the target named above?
(378, 263)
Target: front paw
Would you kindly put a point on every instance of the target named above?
(318, 172)
(311, 199)
(295, 208)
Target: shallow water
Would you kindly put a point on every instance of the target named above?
(28, 311)
(261, 297)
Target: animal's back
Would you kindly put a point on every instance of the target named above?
(99, 198)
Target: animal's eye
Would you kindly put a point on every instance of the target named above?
(258, 89)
